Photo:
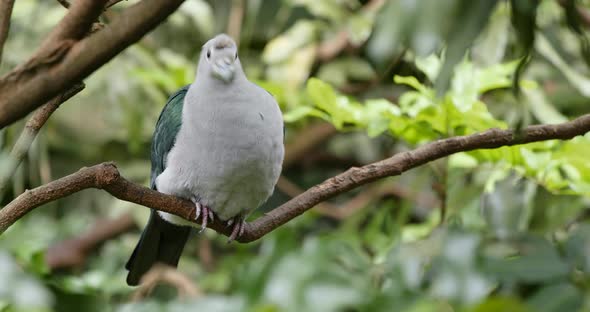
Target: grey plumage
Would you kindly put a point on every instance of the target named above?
(225, 154)
(228, 152)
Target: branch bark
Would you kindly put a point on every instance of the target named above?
(106, 176)
(5, 13)
(65, 58)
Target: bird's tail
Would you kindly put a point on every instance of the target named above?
(160, 241)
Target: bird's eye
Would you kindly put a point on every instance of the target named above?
(208, 54)
(236, 57)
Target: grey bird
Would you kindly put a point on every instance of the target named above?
(219, 143)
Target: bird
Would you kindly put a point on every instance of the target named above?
(219, 143)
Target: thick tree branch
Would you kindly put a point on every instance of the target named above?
(107, 177)
(76, 24)
(5, 13)
(59, 64)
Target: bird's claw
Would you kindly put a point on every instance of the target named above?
(239, 224)
(203, 210)
(197, 209)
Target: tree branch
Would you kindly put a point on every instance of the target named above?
(59, 64)
(164, 274)
(5, 13)
(106, 176)
(72, 253)
(32, 127)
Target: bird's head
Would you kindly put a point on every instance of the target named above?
(220, 55)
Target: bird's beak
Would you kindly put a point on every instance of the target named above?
(224, 69)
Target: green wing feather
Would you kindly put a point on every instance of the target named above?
(160, 241)
(167, 128)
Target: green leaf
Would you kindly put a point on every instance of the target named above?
(301, 112)
(429, 65)
(577, 247)
(343, 70)
(412, 82)
(557, 298)
(496, 304)
(282, 47)
(329, 9)
(536, 262)
(359, 27)
(321, 94)
(473, 16)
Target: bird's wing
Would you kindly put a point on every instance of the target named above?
(165, 134)
(160, 241)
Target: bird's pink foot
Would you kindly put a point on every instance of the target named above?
(239, 224)
(203, 210)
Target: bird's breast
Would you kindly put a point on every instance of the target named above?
(230, 158)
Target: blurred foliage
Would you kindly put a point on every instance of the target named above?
(390, 76)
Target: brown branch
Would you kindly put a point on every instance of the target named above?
(106, 176)
(161, 273)
(5, 13)
(72, 253)
(32, 127)
(292, 190)
(358, 202)
(59, 64)
(75, 25)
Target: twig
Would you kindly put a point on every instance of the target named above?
(59, 63)
(5, 14)
(361, 200)
(159, 274)
(72, 253)
(32, 127)
(106, 176)
(292, 190)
